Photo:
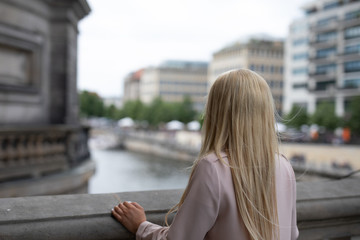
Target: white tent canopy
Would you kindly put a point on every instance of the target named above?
(174, 125)
(126, 122)
(193, 126)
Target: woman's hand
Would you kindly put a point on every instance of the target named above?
(129, 214)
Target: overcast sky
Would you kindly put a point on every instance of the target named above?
(120, 36)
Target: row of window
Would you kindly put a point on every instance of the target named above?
(352, 32)
(167, 93)
(275, 84)
(265, 53)
(266, 68)
(353, 66)
(330, 5)
(326, 52)
(352, 83)
(299, 85)
(348, 83)
(300, 41)
(300, 71)
(182, 83)
(322, 69)
(300, 56)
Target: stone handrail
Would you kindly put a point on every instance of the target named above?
(326, 210)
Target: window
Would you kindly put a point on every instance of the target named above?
(300, 41)
(326, 21)
(326, 52)
(353, 66)
(299, 71)
(352, 15)
(272, 69)
(299, 85)
(351, 83)
(281, 84)
(320, 86)
(352, 32)
(331, 5)
(300, 56)
(252, 67)
(323, 69)
(262, 68)
(352, 49)
(327, 36)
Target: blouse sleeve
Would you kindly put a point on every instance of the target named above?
(198, 212)
(294, 228)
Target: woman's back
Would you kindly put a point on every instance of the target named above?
(229, 224)
(209, 211)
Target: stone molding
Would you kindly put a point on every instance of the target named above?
(326, 210)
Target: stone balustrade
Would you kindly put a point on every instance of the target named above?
(325, 210)
(55, 157)
(33, 152)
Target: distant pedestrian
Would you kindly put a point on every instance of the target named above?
(240, 186)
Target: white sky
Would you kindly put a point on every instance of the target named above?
(120, 36)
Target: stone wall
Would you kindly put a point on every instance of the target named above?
(325, 210)
(38, 55)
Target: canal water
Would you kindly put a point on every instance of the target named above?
(123, 171)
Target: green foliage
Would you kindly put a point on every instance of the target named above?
(91, 105)
(296, 117)
(185, 112)
(133, 109)
(111, 112)
(325, 116)
(158, 111)
(354, 119)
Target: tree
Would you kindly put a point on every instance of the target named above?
(111, 112)
(186, 112)
(91, 105)
(354, 119)
(133, 109)
(325, 116)
(296, 117)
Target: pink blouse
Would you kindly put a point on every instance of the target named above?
(210, 211)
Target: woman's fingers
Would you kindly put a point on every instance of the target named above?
(116, 215)
(118, 210)
(137, 205)
(123, 208)
(128, 204)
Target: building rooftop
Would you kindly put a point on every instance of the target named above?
(179, 64)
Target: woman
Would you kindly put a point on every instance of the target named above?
(239, 187)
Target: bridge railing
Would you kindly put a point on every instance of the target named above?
(325, 210)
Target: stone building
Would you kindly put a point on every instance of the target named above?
(42, 145)
(173, 80)
(132, 85)
(260, 55)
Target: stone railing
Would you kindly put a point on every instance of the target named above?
(27, 152)
(326, 210)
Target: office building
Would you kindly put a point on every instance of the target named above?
(334, 47)
(173, 80)
(296, 61)
(264, 56)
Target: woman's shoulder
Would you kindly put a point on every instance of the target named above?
(286, 166)
(212, 157)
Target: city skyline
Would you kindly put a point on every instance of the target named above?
(117, 38)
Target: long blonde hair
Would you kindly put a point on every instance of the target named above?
(240, 120)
